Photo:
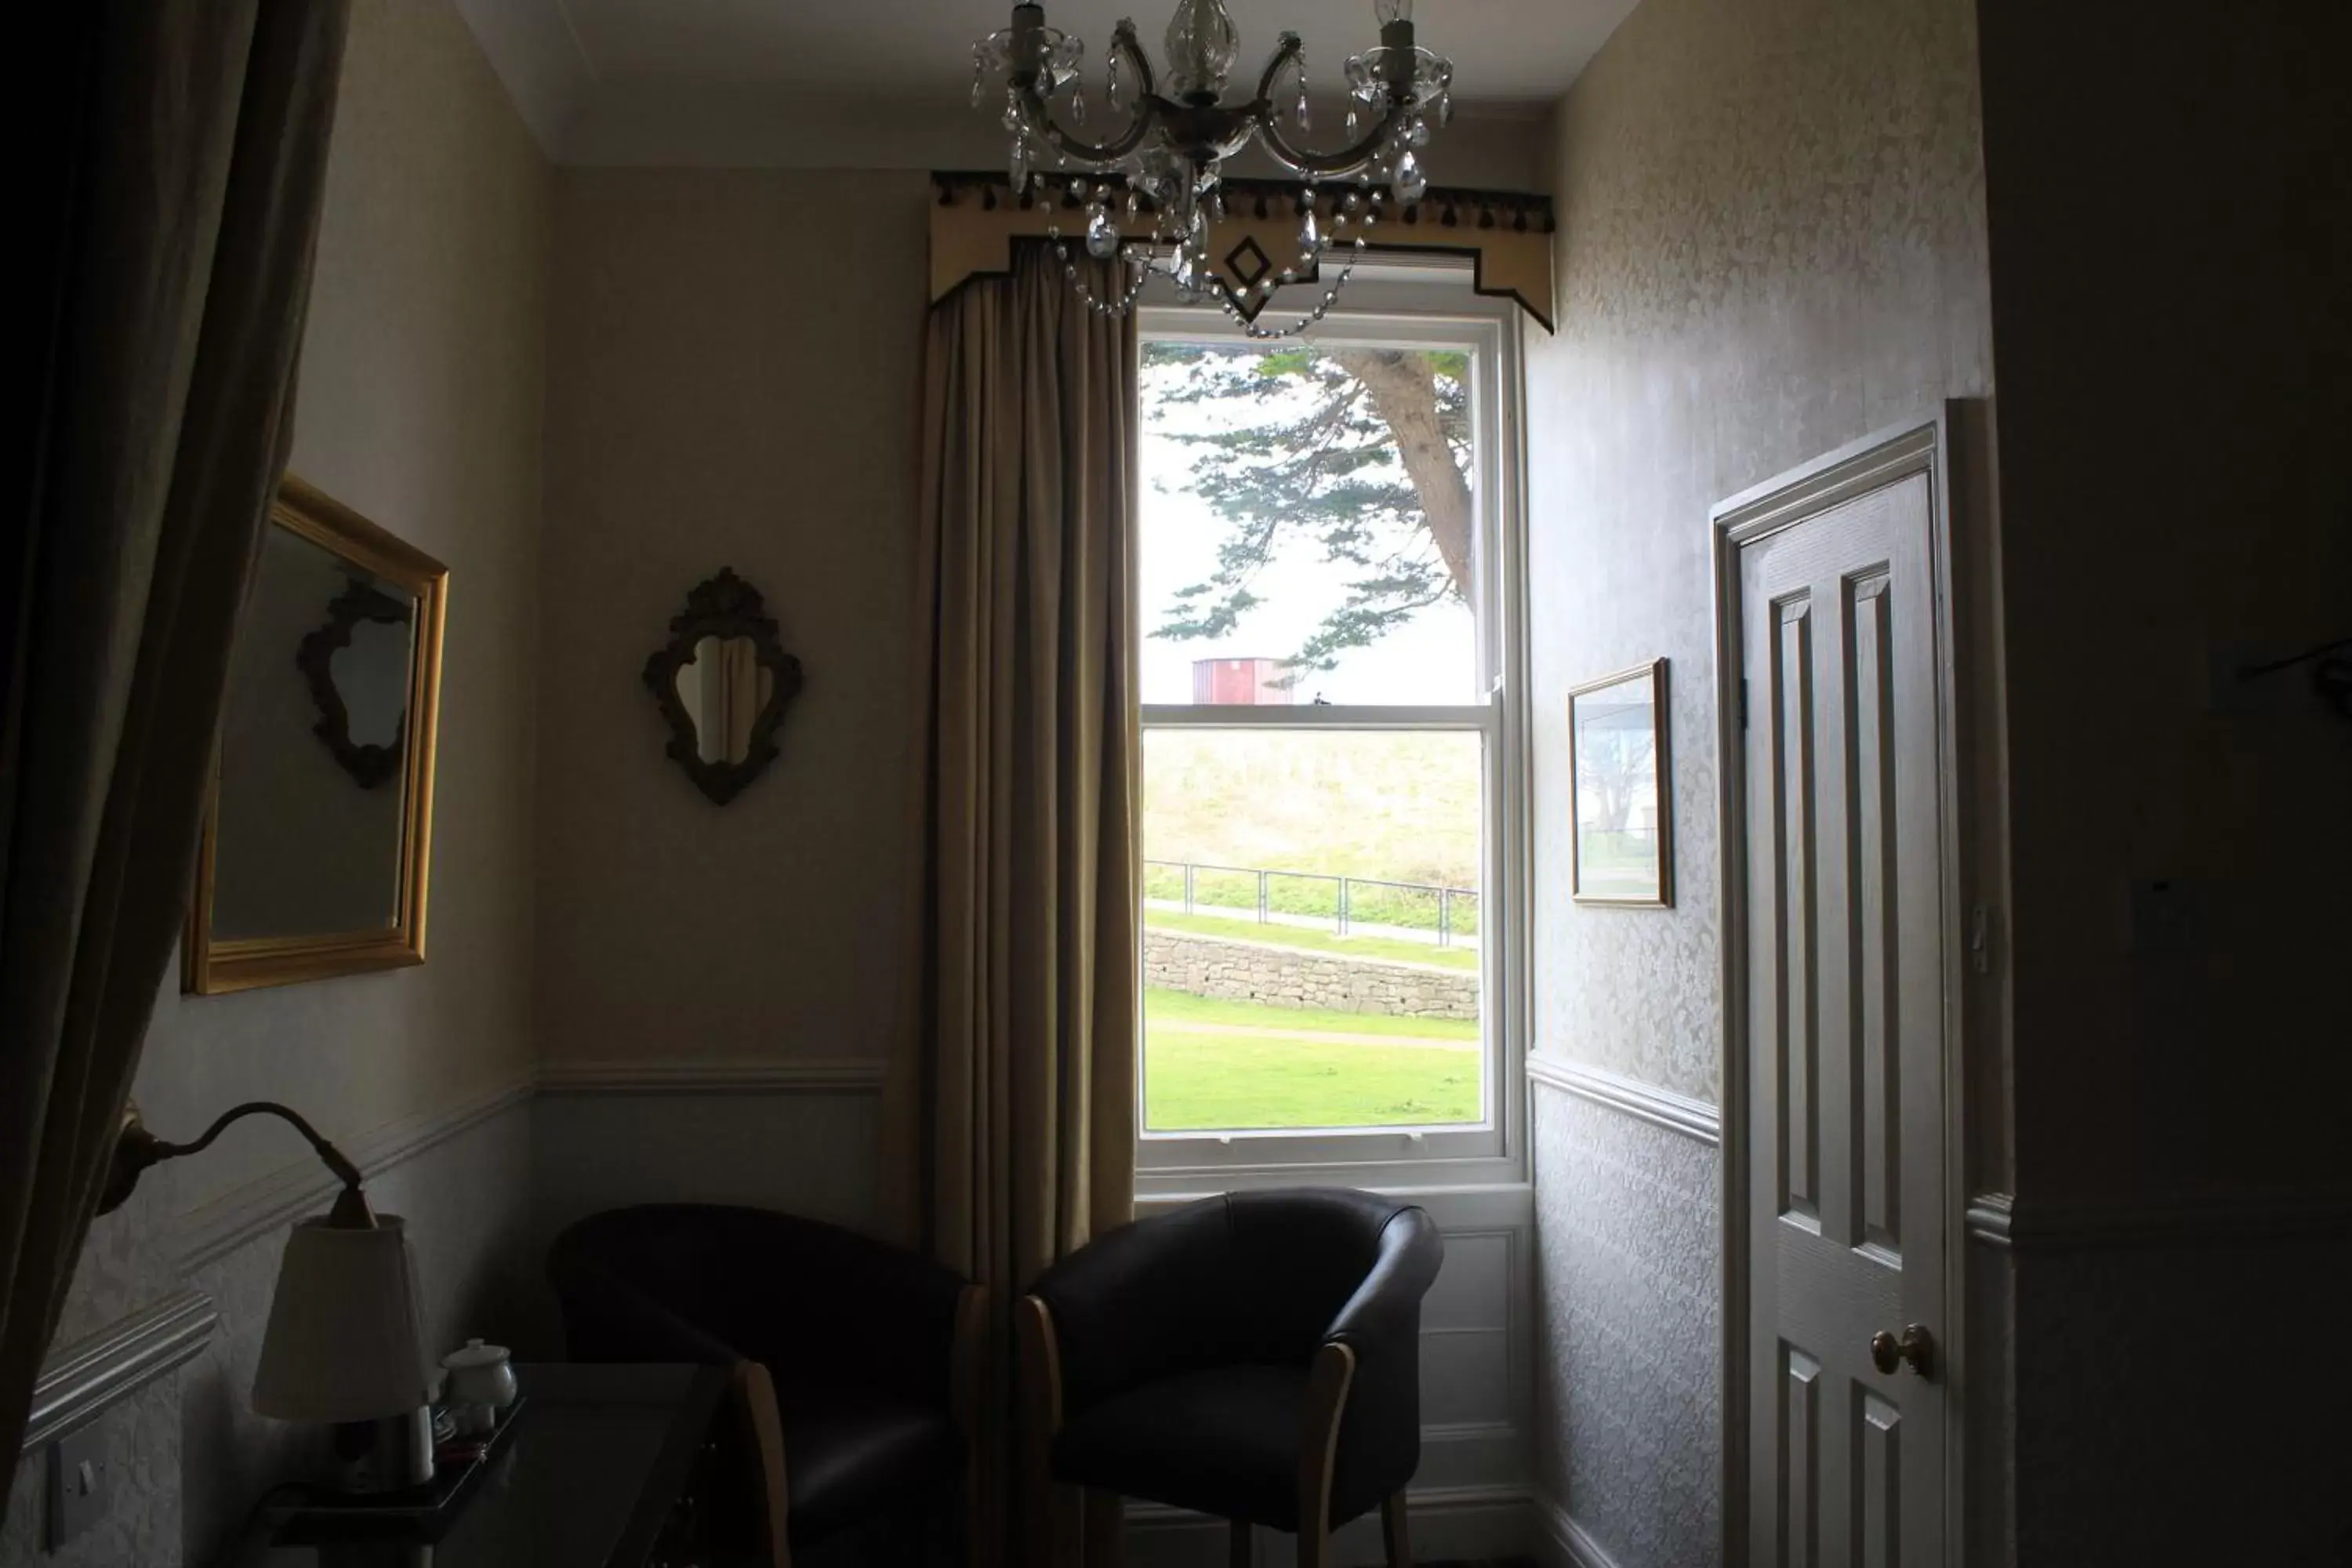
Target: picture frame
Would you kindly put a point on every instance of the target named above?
(1621, 790)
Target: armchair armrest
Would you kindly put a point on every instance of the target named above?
(1385, 1310)
(1039, 1370)
(1379, 1434)
(1320, 1422)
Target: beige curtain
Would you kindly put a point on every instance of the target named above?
(169, 212)
(740, 697)
(1026, 1087)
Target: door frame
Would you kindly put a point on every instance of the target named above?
(1917, 446)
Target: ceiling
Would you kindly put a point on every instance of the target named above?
(631, 80)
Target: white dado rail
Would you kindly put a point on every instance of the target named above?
(82, 1379)
(1647, 1102)
(844, 1076)
(2003, 1220)
(213, 1230)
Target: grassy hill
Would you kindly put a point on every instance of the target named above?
(1403, 807)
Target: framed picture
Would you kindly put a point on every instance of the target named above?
(1619, 795)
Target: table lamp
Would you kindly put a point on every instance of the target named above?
(346, 1340)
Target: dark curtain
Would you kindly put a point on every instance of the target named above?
(172, 199)
(1024, 1089)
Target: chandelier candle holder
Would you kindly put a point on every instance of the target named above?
(1160, 180)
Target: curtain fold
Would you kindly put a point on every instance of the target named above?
(742, 700)
(1025, 1084)
(179, 194)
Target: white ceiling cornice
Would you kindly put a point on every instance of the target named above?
(883, 83)
(538, 55)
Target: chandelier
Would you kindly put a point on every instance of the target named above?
(1154, 218)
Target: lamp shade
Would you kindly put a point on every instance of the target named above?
(346, 1340)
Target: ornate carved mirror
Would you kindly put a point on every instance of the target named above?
(357, 668)
(317, 836)
(723, 682)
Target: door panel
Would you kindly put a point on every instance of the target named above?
(1845, 945)
(1870, 788)
(1800, 1391)
(1878, 1480)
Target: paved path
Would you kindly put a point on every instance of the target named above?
(1412, 1042)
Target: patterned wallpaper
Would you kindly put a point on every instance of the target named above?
(1627, 1262)
(141, 1455)
(124, 1267)
(1772, 243)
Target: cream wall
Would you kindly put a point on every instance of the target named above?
(422, 383)
(734, 382)
(420, 406)
(1772, 242)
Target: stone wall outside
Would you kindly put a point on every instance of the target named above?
(1237, 970)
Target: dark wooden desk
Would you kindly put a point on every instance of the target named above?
(599, 1458)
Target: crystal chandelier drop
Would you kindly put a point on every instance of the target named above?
(1171, 153)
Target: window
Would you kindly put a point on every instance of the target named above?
(1330, 660)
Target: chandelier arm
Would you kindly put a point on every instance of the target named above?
(1290, 49)
(1345, 161)
(1147, 84)
(1039, 116)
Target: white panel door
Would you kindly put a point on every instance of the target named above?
(1844, 1048)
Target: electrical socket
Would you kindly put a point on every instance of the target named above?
(79, 1483)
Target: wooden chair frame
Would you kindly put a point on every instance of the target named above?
(756, 1390)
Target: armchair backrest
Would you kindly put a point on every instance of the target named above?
(806, 1299)
(1244, 1277)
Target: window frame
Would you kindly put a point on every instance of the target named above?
(1405, 302)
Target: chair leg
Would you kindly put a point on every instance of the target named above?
(1393, 1532)
(1318, 1449)
(1237, 1537)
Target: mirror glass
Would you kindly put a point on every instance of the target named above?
(724, 688)
(313, 790)
(371, 675)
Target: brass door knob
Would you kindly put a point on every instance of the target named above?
(1915, 1347)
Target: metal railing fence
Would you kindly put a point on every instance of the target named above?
(1348, 902)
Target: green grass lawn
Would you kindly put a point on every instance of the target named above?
(1206, 1077)
(1161, 1005)
(1313, 941)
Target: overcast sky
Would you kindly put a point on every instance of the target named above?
(1430, 659)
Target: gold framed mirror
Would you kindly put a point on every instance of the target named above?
(318, 827)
